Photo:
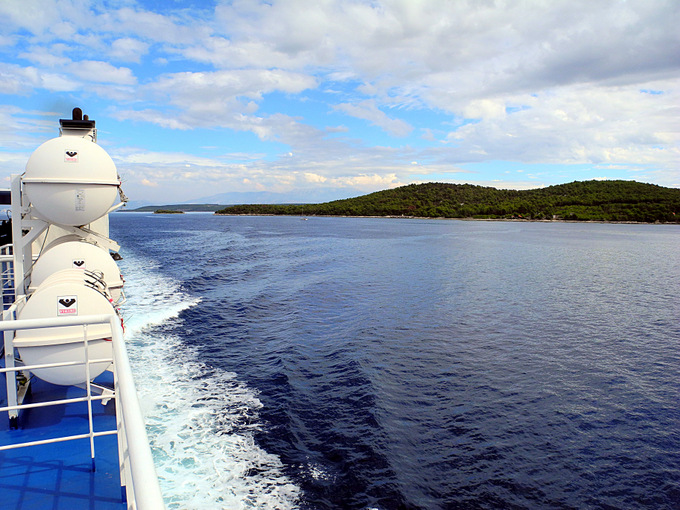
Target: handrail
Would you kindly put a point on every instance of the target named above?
(141, 461)
(145, 493)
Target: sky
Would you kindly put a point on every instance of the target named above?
(316, 100)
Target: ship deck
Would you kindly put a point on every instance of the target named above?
(59, 475)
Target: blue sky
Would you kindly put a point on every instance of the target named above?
(321, 99)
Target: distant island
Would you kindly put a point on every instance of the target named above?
(616, 200)
(168, 211)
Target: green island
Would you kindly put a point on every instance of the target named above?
(168, 211)
(615, 200)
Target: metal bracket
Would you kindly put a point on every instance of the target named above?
(97, 238)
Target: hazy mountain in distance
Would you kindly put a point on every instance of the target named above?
(311, 196)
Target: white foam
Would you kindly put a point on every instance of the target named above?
(201, 422)
(318, 472)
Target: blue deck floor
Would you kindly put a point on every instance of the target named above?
(59, 476)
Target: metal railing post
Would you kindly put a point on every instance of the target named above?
(10, 376)
(88, 390)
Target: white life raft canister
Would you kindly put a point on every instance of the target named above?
(71, 181)
(69, 252)
(66, 293)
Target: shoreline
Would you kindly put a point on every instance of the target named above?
(518, 220)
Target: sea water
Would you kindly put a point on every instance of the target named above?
(397, 363)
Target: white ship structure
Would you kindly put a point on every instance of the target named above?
(72, 435)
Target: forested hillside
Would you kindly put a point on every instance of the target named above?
(581, 200)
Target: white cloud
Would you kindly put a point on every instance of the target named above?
(60, 74)
(164, 27)
(368, 110)
(220, 98)
(35, 16)
(235, 83)
(312, 177)
(484, 109)
(101, 72)
(151, 158)
(54, 82)
(580, 124)
(164, 120)
(127, 49)
(14, 79)
(47, 57)
(542, 82)
(22, 80)
(368, 182)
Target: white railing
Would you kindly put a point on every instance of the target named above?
(138, 473)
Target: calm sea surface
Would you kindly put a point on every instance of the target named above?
(427, 364)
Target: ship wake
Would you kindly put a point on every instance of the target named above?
(201, 422)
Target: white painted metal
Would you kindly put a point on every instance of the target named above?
(36, 405)
(71, 180)
(10, 363)
(57, 440)
(70, 252)
(6, 277)
(64, 344)
(17, 238)
(69, 187)
(139, 472)
(138, 451)
(93, 278)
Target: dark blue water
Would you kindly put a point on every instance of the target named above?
(442, 364)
